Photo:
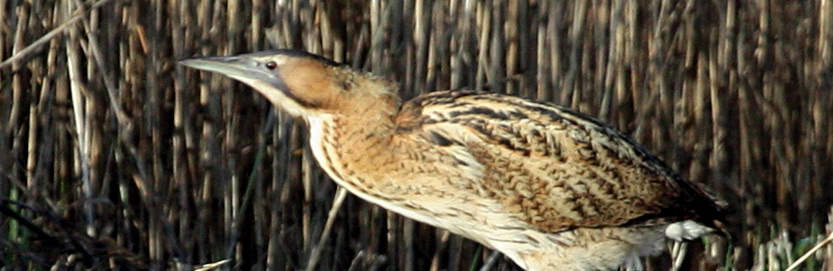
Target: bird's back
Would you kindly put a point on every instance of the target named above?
(557, 167)
(562, 173)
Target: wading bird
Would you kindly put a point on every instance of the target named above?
(548, 187)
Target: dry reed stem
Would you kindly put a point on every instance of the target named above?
(810, 252)
(31, 48)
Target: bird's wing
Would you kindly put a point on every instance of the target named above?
(555, 168)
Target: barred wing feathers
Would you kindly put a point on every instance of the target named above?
(555, 168)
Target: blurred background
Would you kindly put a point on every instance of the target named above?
(112, 156)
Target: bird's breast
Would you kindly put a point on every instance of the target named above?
(374, 170)
(405, 175)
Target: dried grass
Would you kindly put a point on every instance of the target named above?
(112, 156)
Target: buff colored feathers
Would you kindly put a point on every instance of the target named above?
(550, 188)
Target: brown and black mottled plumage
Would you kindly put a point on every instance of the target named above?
(616, 181)
(550, 188)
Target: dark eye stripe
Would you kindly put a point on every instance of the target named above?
(279, 83)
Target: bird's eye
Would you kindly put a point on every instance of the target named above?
(271, 65)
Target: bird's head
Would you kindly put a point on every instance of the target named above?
(304, 85)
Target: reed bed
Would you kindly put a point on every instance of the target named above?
(112, 156)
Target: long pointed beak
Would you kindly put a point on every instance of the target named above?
(241, 68)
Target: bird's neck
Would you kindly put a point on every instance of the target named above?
(373, 117)
(355, 144)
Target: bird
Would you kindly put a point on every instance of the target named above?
(547, 186)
